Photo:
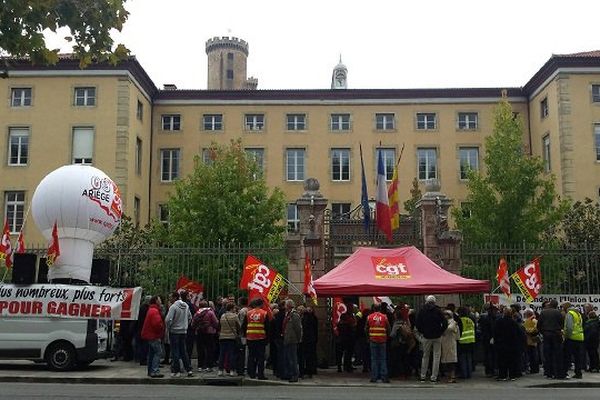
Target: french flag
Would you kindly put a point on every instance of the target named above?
(383, 207)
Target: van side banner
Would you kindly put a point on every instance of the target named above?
(69, 301)
(577, 300)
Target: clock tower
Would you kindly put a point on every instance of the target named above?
(339, 77)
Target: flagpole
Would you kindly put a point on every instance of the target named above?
(292, 285)
(4, 276)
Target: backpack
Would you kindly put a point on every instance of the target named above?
(200, 323)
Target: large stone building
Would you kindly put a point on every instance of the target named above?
(145, 138)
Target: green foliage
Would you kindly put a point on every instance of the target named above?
(581, 224)
(22, 23)
(410, 205)
(515, 201)
(226, 200)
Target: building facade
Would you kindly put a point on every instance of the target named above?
(145, 138)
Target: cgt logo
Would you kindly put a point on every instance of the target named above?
(390, 268)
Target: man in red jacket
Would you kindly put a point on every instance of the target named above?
(153, 331)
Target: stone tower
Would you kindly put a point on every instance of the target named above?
(227, 64)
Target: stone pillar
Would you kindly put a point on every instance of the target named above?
(440, 244)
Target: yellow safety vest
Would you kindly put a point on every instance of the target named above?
(468, 331)
(577, 332)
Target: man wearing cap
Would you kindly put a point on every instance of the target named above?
(432, 324)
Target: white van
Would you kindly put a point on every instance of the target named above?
(62, 343)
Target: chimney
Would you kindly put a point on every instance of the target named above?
(169, 86)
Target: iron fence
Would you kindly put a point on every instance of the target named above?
(565, 270)
(217, 266)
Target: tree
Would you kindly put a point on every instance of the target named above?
(410, 205)
(226, 200)
(514, 201)
(581, 224)
(23, 22)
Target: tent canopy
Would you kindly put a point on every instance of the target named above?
(389, 272)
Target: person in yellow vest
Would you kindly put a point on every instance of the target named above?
(573, 344)
(466, 343)
(377, 329)
(256, 327)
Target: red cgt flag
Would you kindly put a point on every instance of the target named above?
(529, 280)
(20, 249)
(261, 281)
(309, 288)
(6, 250)
(503, 277)
(251, 264)
(194, 289)
(53, 248)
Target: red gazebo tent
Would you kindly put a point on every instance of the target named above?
(393, 272)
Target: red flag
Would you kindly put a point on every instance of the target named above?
(383, 209)
(20, 249)
(529, 280)
(503, 277)
(309, 288)
(6, 250)
(195, 289)
(338, 309)
(260, 280)
(53, 248)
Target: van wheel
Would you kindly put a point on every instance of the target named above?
(61, 356)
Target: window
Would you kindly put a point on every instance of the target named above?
(208, 156)
(597, 141)
(140, 110)
(20, 97)
(169, 167)
(163, 214)
(255, 122)
(18, 146)
(258, 155)
(229, 74)
(138, 155)
(340, 165)
(85, 96)
(296, 122)
(295, 164)
(83, 145)
(546, 153)
(212, 122)
(14, 209)
(136, 211)
(340, 210)
(293, 219)
(340, 122)
(426, 121)
(171, 122)
(427, 163)
(230, 56)
(469, 160)
(596, 93)
(544, 108)
(384, 122)
(467, 120)
(389, 161)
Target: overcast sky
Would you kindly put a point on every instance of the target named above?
(384, 44)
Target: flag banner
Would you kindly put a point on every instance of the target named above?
(503, 277)
(383, 208)
(309, 288)
(529, 280)
(6, 250)
(260, 280)
(195, 289)
(364, 196)
(69, 301)
(338, 309)
(53, 248)
(394, 201)
(20, 248)
(577, 300)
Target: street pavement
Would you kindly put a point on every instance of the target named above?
(107, 372)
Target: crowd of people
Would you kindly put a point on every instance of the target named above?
(238, 338)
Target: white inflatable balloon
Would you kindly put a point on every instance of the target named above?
(86, 206)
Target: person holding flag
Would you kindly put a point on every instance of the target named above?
(256, 329)
(6, 250)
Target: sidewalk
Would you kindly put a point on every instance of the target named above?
(106, 372)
